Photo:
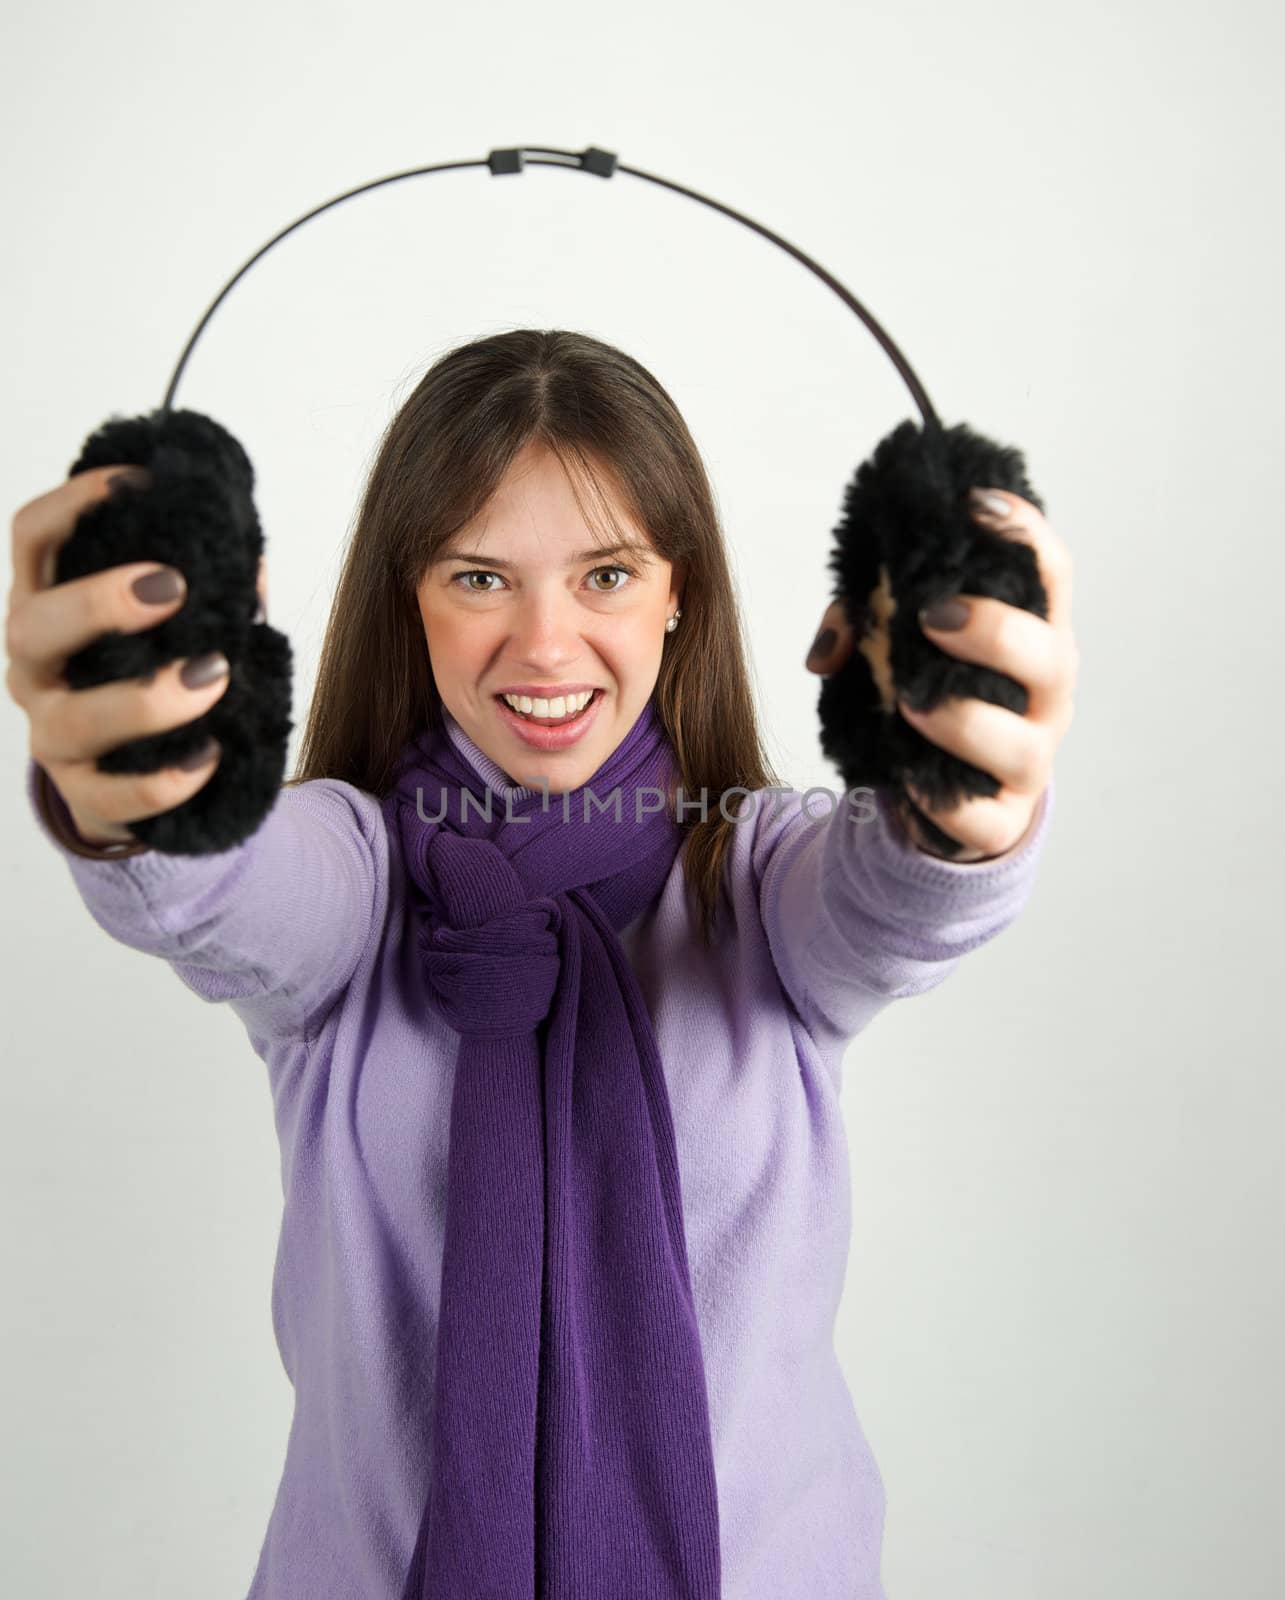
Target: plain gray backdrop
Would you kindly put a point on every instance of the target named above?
(1063, 1318)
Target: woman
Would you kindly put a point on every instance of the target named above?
(613, 1044)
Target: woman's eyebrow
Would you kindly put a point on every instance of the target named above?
(593, 553)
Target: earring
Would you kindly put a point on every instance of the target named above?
(673, 621)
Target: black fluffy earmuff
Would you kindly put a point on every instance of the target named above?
(905, 540)
(199, 516)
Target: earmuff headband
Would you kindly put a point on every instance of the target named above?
(905, 539)
(601, 164)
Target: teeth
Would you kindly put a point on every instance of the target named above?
(559, 706)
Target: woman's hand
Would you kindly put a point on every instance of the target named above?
(1017, 750)
(70, 728)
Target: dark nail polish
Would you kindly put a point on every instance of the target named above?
(947, 616)
(823, 644)
(203, 670)
(158, 588)
(198, 758)
(130, 477)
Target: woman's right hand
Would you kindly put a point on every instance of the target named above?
(49, 622)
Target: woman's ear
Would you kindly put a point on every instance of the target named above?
(677, 584)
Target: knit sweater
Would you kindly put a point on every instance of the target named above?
(304, 929)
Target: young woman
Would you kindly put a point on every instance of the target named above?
(611, 1041)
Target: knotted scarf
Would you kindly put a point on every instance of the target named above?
(571, 1450)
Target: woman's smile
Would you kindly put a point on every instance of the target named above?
(549, 733)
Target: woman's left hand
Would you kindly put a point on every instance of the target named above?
(1042, 655)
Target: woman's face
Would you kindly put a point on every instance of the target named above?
(525, 604)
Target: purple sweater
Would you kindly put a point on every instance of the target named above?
(303, 930)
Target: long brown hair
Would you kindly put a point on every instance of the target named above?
(440, 460)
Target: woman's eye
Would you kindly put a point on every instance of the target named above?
(461, 578)
(469, 586)
(627, 572)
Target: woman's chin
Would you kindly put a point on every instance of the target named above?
(557, 757)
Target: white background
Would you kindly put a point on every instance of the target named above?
(1063, 1320)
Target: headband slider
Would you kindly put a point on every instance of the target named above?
(602, 163)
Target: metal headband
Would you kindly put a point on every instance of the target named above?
(602, 164)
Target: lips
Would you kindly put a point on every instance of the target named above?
(545, 735)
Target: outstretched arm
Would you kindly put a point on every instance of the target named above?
(858, 907)
(275, 926)
(855, 915)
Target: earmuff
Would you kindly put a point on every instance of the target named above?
(904, 540)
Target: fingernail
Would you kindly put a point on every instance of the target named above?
(157, 588)
(823, 644)
(993, 505)
(132, 477)
(198, 758)
(203, 670)
(946, 616)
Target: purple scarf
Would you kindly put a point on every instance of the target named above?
(572, 1457)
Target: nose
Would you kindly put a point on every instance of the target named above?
(546, 629)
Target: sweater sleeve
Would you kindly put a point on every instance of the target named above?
(275, 926)
(856, 915)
